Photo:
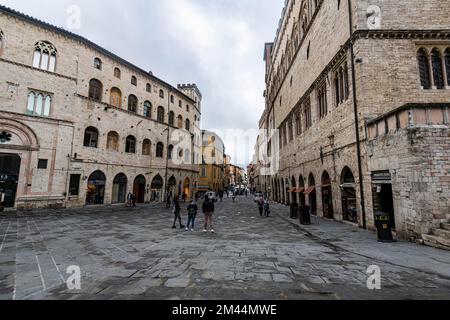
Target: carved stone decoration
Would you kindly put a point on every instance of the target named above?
(374, 17)
(5, 137)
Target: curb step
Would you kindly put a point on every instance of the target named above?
(436, 241)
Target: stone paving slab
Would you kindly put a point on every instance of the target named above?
(128, 253)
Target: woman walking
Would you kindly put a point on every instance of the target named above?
(208, 210)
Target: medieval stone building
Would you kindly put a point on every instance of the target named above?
(359, 94)
(80, 125)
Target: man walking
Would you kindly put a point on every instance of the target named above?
(208, 210)
(177, 212)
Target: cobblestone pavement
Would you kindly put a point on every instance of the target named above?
(134, 254)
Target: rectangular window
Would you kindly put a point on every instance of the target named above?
(42, 163)
(74, 185)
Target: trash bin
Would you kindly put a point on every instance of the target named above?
(305, 215)
(383, 225)
(294, 211)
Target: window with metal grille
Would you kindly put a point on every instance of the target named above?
(42, 163)
(424, 70)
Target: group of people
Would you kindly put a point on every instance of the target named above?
(208, 209)
(263, 206)
(131, 200)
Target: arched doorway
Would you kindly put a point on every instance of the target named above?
(327, 196)
(294, 190)
(301, 191)
(9, 178)
(139, 188)
(187, 187)
(311, 193)
(96, 188)
(348, 196)
(171, 186)
(156, 188)
(119, 191)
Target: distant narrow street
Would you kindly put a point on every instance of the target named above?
(134, 254)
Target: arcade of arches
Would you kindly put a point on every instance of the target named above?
(303, 191)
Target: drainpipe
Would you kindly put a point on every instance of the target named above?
(355, 107)
(166, 183)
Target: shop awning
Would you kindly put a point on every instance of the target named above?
(310, 190)
(300, 190)
(291, 190)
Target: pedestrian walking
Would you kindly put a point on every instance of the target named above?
(177, 213)
(129, 199)
(169, 200)
(134, 200)
(192, 214)
(208, 210)
(261, 206)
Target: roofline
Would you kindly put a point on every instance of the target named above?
(74, 36)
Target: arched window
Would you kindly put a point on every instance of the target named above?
(146, 147)
(180, 122)
(95, 90)
(44, 56)
(134, 81)
(171, 118)
(447, 65)
(180, 153)
(112, 143)
(170, 152)
(148, 88)
(91, 137)
(98, 63)
(117, 73)
(132, 103)
(39, 104)
(147, 109)
(161, 115)
(422, 58)
(130, 145)
(160, 150)
(436, 62)
(116, 98)
(188, 125)
(161, 94)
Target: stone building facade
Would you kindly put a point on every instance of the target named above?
(357, 103)
(212, 168)
(80, 125)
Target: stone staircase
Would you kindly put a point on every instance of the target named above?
(439, 238)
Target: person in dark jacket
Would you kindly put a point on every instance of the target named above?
(177, 212)
(192, 214)
(208, 210)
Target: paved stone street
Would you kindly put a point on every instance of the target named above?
(134, 254)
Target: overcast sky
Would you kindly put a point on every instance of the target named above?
(217, 44)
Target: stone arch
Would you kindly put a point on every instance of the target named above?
(22, 135)
(327, 196)
(348, 196)
(96, 188)
(119, 191)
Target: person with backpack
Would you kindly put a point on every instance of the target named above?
(192, 214)
(208, 210)
(177, 212)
